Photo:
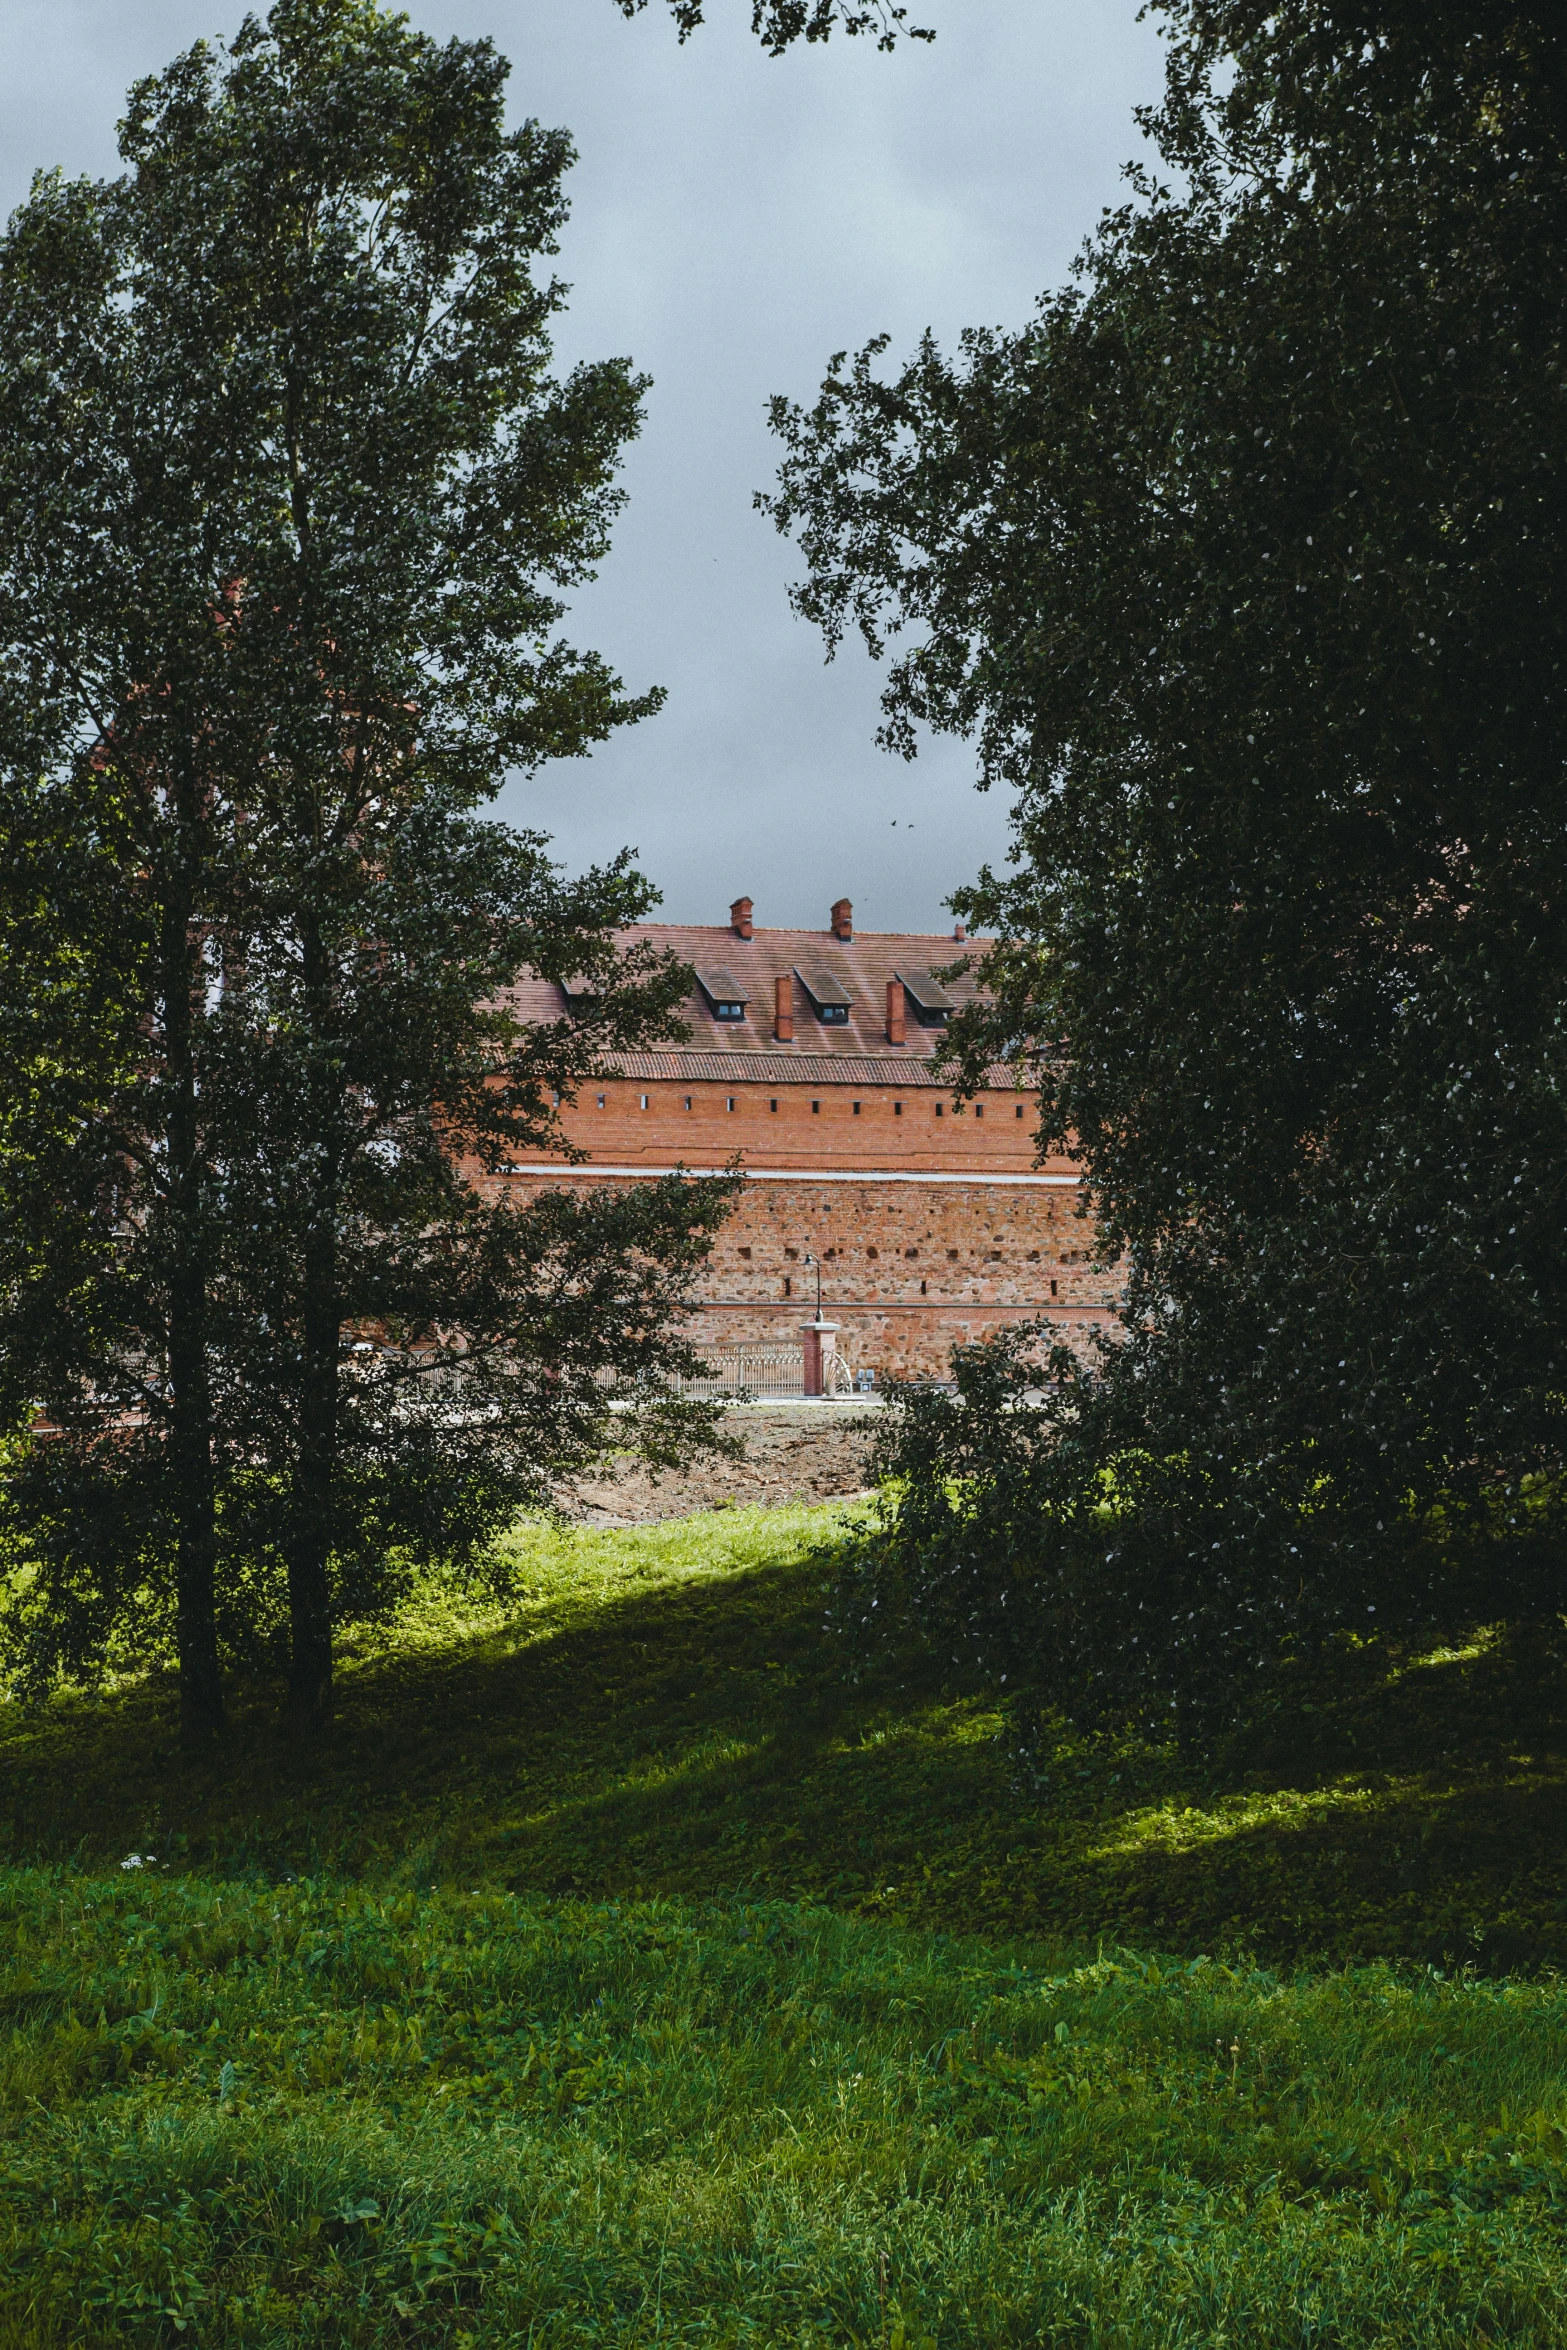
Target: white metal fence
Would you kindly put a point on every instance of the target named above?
(769, 1371)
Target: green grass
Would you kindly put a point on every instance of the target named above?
(613, 1974)
(339, 2114)
(659, 1713)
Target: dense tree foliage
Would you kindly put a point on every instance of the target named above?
(1242, 561)
(288, 496)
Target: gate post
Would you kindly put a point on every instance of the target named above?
(821, 1349)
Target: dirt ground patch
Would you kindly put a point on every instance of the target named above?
(799, 1453)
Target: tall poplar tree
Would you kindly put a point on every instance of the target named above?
(288, 500)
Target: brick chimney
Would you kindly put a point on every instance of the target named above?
(843, 919)
(896, 1012)
(959, 932)
(740, 917)
(783, 1007)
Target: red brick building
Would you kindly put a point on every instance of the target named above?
(810, 1055)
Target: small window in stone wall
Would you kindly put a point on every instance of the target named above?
(939, 1111)
(745, 1252)
(1018, 1112)
(688, 1101)
(856, 1109)
(816, 1109)
(897, 1109)
(979, 1109)
(730, 1102)
(601, 1101)
(644, 1101)
(772, 1105)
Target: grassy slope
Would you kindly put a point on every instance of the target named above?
(662, 1715)
(459, 2110)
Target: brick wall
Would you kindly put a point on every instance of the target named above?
(942, 1232)
(787, 1123)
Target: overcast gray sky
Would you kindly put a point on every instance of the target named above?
(736, 219)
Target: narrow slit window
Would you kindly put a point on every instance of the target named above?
(940, 1112)
(856, 1109)
(816, 1109)
(644, 1101)
(729, 1102)
(772, 1105)
(601, 1101)
(688, 1101)
(897, 1109)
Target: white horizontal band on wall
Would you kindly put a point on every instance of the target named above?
(801, 1174)
(1061, 1309)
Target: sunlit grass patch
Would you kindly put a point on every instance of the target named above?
(1182, 1827)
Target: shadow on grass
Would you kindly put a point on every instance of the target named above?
(696, 1736)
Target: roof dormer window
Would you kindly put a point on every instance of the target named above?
(830, 1000)
(930, 1003)
(726, 998)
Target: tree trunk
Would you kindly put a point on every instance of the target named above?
(310, 1543)
(310, 1636)
(190, 1390)
(196, 1622)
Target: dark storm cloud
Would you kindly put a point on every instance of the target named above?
(736, 219)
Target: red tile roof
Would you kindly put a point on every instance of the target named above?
(862, 965)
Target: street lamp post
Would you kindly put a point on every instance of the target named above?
(821, 1344)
